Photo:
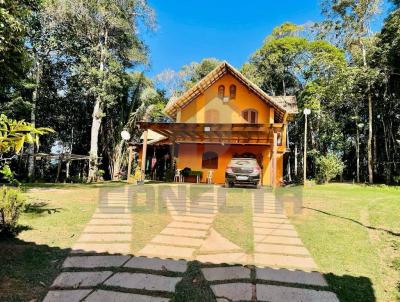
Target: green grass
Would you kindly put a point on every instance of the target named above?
(149, 218)
(352, 232)
(234, 219)
(56, 216)
(193, 287)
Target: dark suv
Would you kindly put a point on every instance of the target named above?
(244, 171)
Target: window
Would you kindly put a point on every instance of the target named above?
(221, 92)
(232, 92)
(211, 116)
(250, 115)
(209, 160)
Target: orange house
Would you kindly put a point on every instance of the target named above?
(225, 115)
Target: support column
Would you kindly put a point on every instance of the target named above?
(273, 160)
(172, 152)
(129, 163)
(144, 153)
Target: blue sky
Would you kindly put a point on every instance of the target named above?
(190, 30)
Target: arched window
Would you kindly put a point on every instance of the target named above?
(232, 92)
(209, 160)
(211, 116)
(221, 92)
(250, 115)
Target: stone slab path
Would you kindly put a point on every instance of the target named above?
(110, 229)
(276, 242)
(116, 278)
(238, 283)
(101, 267)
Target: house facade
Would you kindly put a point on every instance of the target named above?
(224, 116)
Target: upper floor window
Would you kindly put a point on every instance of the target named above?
(209, 160)
(221, 92)
(232, 92)
(250, 115)
(211, 116)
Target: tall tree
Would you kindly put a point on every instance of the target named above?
(351, 21)
(176, 82)
(102, 38)
(387, 58)
(139, 100)
(41, 41)
(14, 60)
(288, 63)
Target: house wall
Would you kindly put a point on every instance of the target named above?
(230, 112)
(190, 155)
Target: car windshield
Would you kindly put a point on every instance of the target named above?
(243, 162)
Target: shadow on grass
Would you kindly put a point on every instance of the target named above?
(40, 208)
(28, 270)
(349, 288)
(73, 185)
(355, 221)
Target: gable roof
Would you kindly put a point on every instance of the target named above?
(282, 104)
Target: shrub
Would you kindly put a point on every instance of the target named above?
(169, 175)
(328, 167)
(11, 206)
(8, 175)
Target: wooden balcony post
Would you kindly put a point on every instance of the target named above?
(144, 153)
(172, 152)
(273, 159)
(128, 174)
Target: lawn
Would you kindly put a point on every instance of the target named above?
(55, 217)
(353, 233)
(234, 219)
(149, 218)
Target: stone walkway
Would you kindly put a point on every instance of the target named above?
(276, 242)
(105, 278)
(110, 229)
(190, 234)
(238, 283)
(91, 273)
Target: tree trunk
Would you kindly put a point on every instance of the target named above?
(97, 116)
(94, 138)
(370, 117)
(35, 95)
(358, 153)
(118, 156)
(60, 159)
(295, 160)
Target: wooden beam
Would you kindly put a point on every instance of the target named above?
(271, 115)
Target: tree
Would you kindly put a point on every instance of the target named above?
(386, 58)
(274, 66)
(309, 69)
(351, 20)
(140, 101)
(41, 39)
(14, 60)
(328, 167)
(194, 72)
(102, 38)
(177, 82)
